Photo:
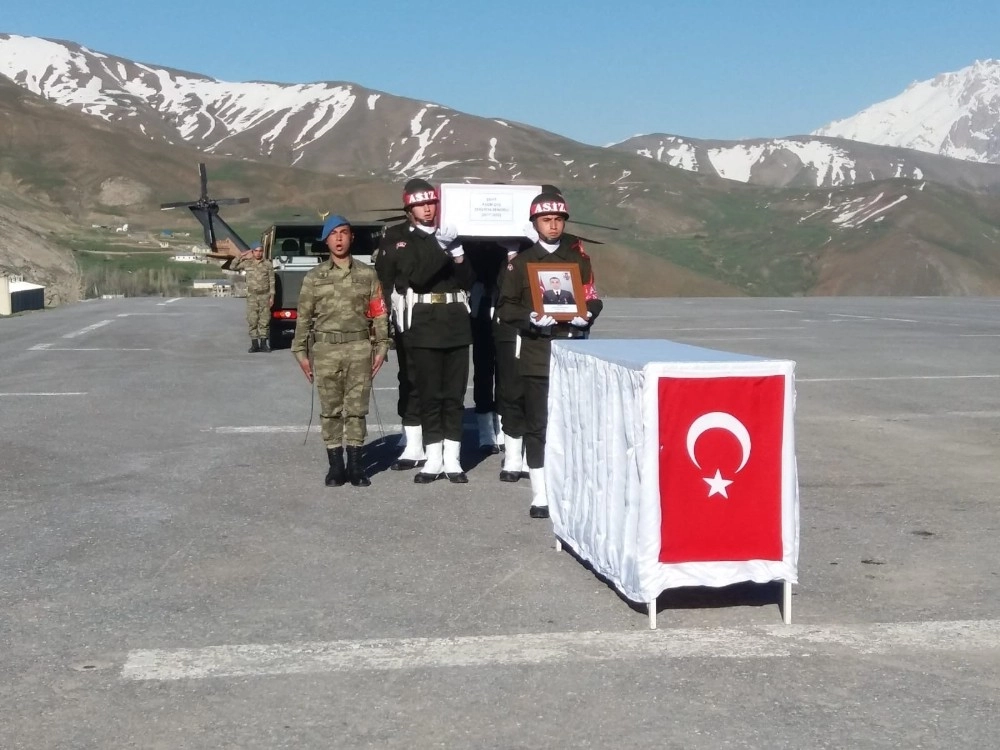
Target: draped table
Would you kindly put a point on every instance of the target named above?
(672, 465)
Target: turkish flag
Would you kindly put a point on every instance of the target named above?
(720, 468)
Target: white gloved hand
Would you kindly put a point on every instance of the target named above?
(456, 252)
(446, 235)
(580, 322)
(530, 232)
(541, 321)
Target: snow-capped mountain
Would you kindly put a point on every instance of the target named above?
(953, 114)
(805, 161)
(346, 129)
(331, 127)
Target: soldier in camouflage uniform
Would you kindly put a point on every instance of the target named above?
(341, 306)
(260, 295)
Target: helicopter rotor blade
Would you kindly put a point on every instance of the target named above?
(176, 204)
(203, 179)
(230, 201)
(587, 239)
(588, 224)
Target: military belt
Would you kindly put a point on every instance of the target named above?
(340, 337)
(437, 298)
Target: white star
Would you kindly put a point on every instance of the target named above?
(717, 485)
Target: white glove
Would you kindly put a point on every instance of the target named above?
(446, 235)
(581, 322)
(457, 252)
(529, 231)
(541, 321)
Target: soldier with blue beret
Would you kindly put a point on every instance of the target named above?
(341, 340)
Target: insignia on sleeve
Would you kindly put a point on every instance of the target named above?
(400, 244)
(510, 266)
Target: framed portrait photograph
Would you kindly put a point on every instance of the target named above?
(557, 290)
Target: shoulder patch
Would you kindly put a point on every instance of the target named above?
(510, 266)
(400, 244)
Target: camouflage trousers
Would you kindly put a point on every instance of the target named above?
(258, 314)
(343, 376)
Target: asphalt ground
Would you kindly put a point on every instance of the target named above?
(175, 574)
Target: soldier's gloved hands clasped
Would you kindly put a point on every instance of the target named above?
(446, 235)
(511, 246)
(582, 322)
(541, 321)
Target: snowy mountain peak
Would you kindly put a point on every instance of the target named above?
(953, 114)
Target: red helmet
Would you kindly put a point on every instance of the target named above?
(417, 191)
(549, 203)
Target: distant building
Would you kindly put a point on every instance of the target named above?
(18, 295)
(189, 258)
(213, 287)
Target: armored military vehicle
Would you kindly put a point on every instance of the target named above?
(294, 248)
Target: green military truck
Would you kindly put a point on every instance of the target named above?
(294, 248)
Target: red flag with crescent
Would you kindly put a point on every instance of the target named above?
(720, 443)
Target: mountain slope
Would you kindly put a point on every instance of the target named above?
(806, 161)
(682, 233)
(954, 114)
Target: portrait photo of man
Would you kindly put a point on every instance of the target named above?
(555, 293)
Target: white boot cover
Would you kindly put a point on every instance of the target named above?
(414, 450)
(435, 461)
(487, 435)
(512, 454)
(538, 497)
(452, 463)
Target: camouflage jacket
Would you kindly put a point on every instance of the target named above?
(260, 274)
(340, 300)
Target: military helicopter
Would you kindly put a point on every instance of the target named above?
(223, 242)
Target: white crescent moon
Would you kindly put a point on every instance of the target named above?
(724, 421)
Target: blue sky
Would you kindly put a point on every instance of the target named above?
(595, 71)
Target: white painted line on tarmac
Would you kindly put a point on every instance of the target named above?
(40, 393)
(900, 320)
(51, 348)
(155, 314)
(254, 660)
(168, 302)
(978, 335)
(896, 377)
(39, 347)
(845, 315)
(88, 329)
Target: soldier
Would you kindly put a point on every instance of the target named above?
(549, 213)
(415, 193)
(341, 306)
(509, 387)
(432, 309)
(260, 295)
(487, 259)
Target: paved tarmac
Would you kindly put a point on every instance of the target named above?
(175, 574)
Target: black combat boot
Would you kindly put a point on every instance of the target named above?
(264, 346)
(337, 474)
(356, 467)
(254, 345)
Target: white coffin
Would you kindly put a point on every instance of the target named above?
(603, 454)
(487, 210)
